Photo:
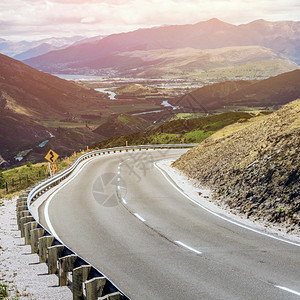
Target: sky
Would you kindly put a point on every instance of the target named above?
(37, 19)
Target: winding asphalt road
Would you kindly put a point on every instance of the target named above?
(122, 215)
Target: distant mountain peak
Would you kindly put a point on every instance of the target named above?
(215, 23)
(214, 20)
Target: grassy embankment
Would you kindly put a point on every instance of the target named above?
(20, 178)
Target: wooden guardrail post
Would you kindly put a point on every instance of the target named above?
(80, 275)
(19, 210)
(66, 264)
(54, 253)
(35, 234)
(21, 199)
(23, 221)
(27, 231)
(94, 288)
(44, 243)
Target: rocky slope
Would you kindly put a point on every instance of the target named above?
(253, 169)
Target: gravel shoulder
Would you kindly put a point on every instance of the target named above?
(204, 196)
(20, 270)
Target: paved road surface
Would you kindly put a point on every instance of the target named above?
(123, 216)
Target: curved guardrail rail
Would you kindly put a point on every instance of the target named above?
(60, 259)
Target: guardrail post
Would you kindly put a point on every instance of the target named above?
(21, 199)
(44, 243)
(35, 234)
(94, 288)
(66, 264)
(19, 210)
(21, 202)
(112, 296)
(23, 221)
(54, 253)
(80, 275)
(27, 228)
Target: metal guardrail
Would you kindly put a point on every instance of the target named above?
(48, 183)
(45, 185)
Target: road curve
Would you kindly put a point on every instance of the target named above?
(123, 216)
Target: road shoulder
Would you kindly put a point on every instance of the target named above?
(203, 196)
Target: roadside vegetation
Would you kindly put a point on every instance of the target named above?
(194, 130)
(3, 291)
(14, 181)
(180, 130)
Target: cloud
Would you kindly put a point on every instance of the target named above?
(33, 19)
(88, 20)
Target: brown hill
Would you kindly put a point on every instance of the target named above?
(30, 98)
(19, 132)
(42, 96)
(253, 168)
(277, 90)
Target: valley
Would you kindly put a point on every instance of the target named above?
(201, 199)
(117, 85)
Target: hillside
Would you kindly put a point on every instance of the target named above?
(278, 90)
(176, 131)
(254, 169)
(283, 37)
(19, 132)
(135, 89)
(121, 124)
(29, 99)
(229, 62)
(40, 95)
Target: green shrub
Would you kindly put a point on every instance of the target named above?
(3, 291)
(2, 181)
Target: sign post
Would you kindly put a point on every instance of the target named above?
(49, 168)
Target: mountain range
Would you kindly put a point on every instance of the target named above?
(248, 62)
(27, 49)
(282, 37)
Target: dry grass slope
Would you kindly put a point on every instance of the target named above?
(253, 167)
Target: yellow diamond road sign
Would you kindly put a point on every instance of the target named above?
(51, 156)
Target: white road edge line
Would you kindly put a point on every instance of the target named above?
(139, 217)
(287, 290)
(188, 247)
(226, 219)
(46, 209)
